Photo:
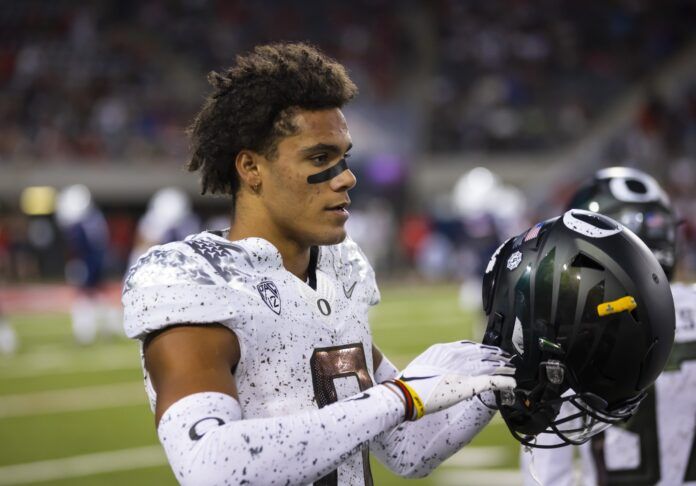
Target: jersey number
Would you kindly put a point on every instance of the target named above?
(644, 423)
(327, 364)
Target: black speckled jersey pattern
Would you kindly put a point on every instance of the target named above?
(206, 278)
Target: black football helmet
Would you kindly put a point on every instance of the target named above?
(636, 200)
(587, 313)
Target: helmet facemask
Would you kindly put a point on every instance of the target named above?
(546, 417)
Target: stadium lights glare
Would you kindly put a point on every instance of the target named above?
(38, 200)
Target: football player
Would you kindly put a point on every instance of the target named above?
(258, 357)
(8, 336)
(657, 445)
(87, 239)
(168, 218)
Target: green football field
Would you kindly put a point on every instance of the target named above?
(72, 415)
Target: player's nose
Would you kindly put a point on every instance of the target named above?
(344, 181)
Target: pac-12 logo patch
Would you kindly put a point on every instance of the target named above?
(269, 294)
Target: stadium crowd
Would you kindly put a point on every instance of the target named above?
(537, 76)
(108, 80)
(105, 82)
(119, 80)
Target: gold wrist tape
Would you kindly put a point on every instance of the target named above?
(417, 402)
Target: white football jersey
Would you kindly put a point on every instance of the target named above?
(658, 444)
(301, 347)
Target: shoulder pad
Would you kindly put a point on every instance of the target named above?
(193, 281)
(202, 259)
(230, 261)
(168, 264)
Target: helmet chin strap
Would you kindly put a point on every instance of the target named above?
(532, 466)
(328, 174)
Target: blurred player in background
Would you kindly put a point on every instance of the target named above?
(490, 212)
(258, 355)
(8, 336)
(87, 238)
(657, 445)
(168, 218)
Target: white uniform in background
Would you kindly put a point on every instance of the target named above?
(86, 234)
(168, 218)
(658, 445)
(8, 337)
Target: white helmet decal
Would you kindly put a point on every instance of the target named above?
(518, 336)
(621, 179)
(494, 257)
(586, 228)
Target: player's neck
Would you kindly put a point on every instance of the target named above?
(295, 255)
(295, 260)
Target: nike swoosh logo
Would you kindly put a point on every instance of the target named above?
(414, 378)
(361, 397)
(349, 292)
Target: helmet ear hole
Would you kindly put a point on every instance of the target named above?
(583, 261)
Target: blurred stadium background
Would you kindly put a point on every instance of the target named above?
(475, 120)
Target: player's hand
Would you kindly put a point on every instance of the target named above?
(448, 373)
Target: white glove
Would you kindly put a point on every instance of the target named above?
(448, 373)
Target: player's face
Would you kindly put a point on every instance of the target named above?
(303, 212)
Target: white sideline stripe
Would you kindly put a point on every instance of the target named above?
(66, 366)
(152, 456)
(478, 457)
(404, 300)
(86, 465)
(72, 399)
(479, 477)
(50, 360)
(448, 321)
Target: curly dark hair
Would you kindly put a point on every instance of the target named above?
(253, 104)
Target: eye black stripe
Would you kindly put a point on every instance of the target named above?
(328, 174)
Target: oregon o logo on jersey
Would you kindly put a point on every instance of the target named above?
(324, 306)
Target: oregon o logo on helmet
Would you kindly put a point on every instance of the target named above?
(590, 224)
(621, 190)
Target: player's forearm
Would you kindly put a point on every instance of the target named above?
(207, 442)
(415, 449)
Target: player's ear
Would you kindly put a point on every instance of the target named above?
(247, 165)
